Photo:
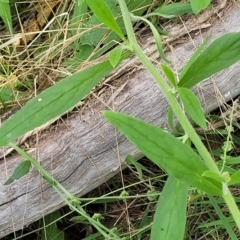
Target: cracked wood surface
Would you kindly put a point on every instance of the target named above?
(83, 150)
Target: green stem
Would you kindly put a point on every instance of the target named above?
(48, 177)
(62, 192)
(232, 207)
(188, 128)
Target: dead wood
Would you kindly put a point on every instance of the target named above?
(82, 150)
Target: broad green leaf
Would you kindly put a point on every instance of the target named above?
(53, 101)
(192, 106)
(173, 10)
(166, 151)
(235, 178)
(199, 5)
(50, 229)
(115, 56)
(22, 169)
(97, 33)
(5, 14)
(169, 74)
(170, 216)
(103, 13)
(194, 57)
(220, 54)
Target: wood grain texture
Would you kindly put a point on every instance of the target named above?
(84, 151)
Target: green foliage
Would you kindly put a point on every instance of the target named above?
(169, 74)
(220, 54)
(130, 160)
(50, 230)
(103, 13)
(170, 216)
(183, 164)
(199, 5)
(5, 14)
(172, 10)
(235, 178)
(22, 169)
(179, 160)
(192, 106)
(115, 56)
(156, 35)
(224, 221)
(6, 95)
(99, 33)
(195, 55)
(53, 101)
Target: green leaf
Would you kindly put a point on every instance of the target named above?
(81, 54)
(22, 169)
(192, 106)
(194, 57)
(213, 175)
(50, 229)
(103, 13)
(53, 101)
(173, 10)
(165, 150)
(199, 5)
(138, 7)
(78, 19)
(6, 95)
(233, 160)
(169, 74)
(170, 216)
(220, 54)
(115, 56)
(97, 33)
(5, 14)
(235, 178)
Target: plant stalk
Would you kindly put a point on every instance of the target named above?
(188, 128)
(62, 192)
(229, 200)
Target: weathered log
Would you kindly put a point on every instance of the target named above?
(83, 150)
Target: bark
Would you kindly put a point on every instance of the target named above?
(82, 150)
